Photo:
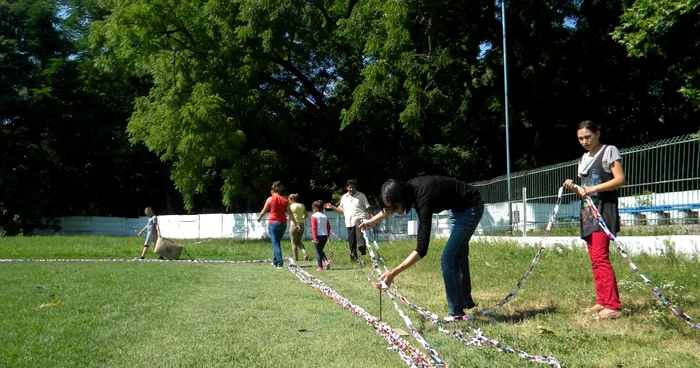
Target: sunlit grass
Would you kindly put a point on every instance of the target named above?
(121, 314)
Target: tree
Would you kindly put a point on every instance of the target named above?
(670, 30)
(62, 125)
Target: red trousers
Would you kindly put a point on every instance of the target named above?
(603, 273)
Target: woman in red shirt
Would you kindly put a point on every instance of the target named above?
(278, 206)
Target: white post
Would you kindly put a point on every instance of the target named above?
(524, 212)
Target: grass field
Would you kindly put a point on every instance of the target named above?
(176, 314)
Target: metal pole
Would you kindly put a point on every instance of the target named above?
(505, 82)
(524, 212)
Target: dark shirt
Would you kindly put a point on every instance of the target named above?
(434, 194)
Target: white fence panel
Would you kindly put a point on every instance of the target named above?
(211, 226)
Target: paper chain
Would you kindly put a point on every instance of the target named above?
(477, 339)
(410, 355)
(676, 310)
(520, 283)
(133, 260)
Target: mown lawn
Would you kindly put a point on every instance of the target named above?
(176, 314)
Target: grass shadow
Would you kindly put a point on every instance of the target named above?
(524, 313)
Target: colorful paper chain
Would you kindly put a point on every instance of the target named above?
(676, 310)
(134, 260)
(520, 283)
(477, 339)
(410, 355)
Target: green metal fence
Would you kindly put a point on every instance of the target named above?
(662, 188)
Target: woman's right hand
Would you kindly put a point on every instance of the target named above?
(570, 185)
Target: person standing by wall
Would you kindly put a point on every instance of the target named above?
(354, 206)
(601, 173)
(300, 214)
(278, 206)
(430, 195)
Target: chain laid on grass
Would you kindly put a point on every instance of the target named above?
(410, 355)
(676, 310)
(520, 283)
(133, 260)
(477, 339)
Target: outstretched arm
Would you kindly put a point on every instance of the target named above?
(379, 217)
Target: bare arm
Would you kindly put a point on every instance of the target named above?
(265, 208)
(142, 230)
(379, 217)
(329, 206)
(388, 277)
(616, 182)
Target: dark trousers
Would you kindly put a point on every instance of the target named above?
(320, 255)
(356, 240)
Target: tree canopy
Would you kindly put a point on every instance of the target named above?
(198, 105)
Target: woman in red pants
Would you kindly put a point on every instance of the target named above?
(601, 173)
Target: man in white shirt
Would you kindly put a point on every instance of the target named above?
(354, 206)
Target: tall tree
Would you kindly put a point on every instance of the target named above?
(668, 30)
(62, 124)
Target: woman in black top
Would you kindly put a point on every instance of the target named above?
(429, 195)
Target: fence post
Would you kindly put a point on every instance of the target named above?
(524, 212)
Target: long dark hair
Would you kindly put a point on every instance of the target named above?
(398, 192)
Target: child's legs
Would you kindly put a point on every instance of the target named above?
(151, 238)
(603, 274)
(322, 241)
(320, 255)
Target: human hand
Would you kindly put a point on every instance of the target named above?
(385, 280)
(327, 205)
(258, 219)
(315, 241)
(569, 184)
(297, 227)
(139, 235)
(366, 224)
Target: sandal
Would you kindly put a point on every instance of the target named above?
(609, 313)
(595, 308)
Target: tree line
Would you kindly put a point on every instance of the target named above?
(109, 106)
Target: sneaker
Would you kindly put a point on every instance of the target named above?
(595, 308)
(609, 313)
(319, 269)
(306, 256)
(279, 267)
(362, 249)
(326, 264)
(139, 258)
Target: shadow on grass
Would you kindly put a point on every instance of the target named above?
(524, 313)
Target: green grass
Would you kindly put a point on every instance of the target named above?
(168, 314)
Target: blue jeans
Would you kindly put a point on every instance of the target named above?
(455, 258)
(276, 230)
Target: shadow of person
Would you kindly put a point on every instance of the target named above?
(523, 314)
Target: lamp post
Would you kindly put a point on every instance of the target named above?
(505, 82)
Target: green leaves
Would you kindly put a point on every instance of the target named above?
(668, 29)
